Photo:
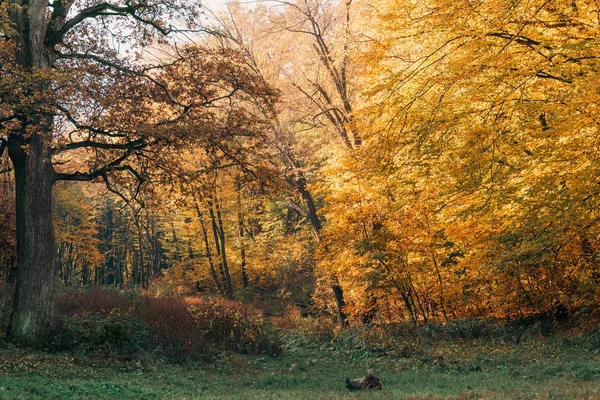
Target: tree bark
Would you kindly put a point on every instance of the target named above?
(34, 176)
(12, 270)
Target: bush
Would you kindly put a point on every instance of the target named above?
(464, 329)
(172, 325)
(118, 325)
(95, 301)
(114, 336)
(400, 340)
(234, 326)
(406, 339)
(305, 328)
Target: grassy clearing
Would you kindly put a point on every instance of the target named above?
(474, 370)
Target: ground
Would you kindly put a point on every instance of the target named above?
(461, 370)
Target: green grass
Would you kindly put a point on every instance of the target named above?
(541, 370)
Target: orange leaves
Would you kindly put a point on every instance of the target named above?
(473, 183)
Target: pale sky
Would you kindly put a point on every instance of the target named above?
(215, 5)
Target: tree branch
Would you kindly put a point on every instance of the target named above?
(88, 176)
(111, 189)
(516, 38)
(135, 145)
(233, 158)
(216, 167)
(545, 75)
(105, 62)
(293, 205)
(55, 37)
(90, 128)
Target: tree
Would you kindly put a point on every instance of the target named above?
(77, 237)
(309, 26)
(478, 123)
(324, 27)
(73, 101)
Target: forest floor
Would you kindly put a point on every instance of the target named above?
(462, 370)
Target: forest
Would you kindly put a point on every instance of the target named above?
(406, 185)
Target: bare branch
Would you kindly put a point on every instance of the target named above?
(56, 36)
(105, 62)
(580, 59)
(293, 205)
(88, 176)
(90, 128)
(516, 38)
(134, 145)
(545, 75)
(232, 157)
(206, 170)
(113, 190)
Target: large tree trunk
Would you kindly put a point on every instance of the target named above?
(34, 177)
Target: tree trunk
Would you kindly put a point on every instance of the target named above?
(30, 154)
(310, 204)
(240, 216)
(141, 278)
(441, 284)
(34, 176)
(339, 299)
(225, 265)
(315, 222)
(209, 256)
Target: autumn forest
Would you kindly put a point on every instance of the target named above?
(368, 163)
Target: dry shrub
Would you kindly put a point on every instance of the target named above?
(234, 326)
(112, 336)
(172, 325)
(95, 301)
(178, 327)
(315, 329)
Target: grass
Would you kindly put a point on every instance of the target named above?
(543, 369)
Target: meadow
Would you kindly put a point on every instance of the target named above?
(560, 367)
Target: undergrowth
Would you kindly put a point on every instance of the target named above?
(116, 325)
